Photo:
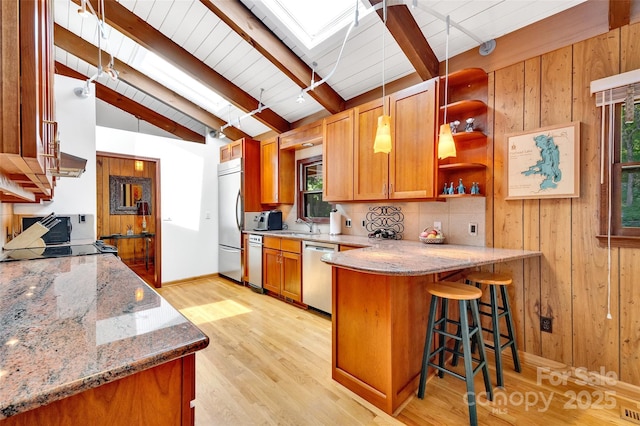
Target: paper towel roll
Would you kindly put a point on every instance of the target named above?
(335, 223)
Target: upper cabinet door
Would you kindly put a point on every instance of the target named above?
(412, 158)
(337, 150)
(277, 168)
(269, 171)
(371, 171)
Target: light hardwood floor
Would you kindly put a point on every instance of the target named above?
(269, 362)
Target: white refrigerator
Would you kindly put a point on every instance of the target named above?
(230, 219)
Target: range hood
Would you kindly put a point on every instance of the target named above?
(69, 166)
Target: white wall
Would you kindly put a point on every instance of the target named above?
(76, 125)
(189, 198)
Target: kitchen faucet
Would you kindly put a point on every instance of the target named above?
(307, 222)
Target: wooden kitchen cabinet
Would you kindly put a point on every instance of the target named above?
(337, 152)
(408, 172)
(231, 151)
(468, 96)
(413, 129)
(282, 267)
(370, 171)
(28, 146)
(302, 137)
(248, 151)
(160, 395)
(278, 174)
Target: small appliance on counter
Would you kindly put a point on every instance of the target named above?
(270, 220)
(335, 222)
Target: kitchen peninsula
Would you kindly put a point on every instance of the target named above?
(85, 341)
(380, 311)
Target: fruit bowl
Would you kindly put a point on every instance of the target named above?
(431, 236)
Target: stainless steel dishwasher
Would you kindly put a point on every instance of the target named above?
(316, 275)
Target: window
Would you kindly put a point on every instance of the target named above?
(310, 179)
(625, 186)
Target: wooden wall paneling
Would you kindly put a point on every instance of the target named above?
(509, 111)
(596, 339)
(629, 258)
(585, 20)
(555, 215)
(531, 219)
(490, 176)
(629, 316)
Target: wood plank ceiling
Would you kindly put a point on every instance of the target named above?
(238, 50)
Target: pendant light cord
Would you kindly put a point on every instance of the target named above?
(446, 72)
(384, 30)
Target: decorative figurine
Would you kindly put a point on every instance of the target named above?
(450, 190)
(454, 126)
(445, 190)
(474, 188)
(461, 188)
(469, 127)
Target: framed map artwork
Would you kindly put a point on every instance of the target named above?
(544, 163)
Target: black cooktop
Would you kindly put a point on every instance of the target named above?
(61, 250)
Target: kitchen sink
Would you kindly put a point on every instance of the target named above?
(296, 234)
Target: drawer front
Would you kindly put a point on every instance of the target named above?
(293, 246)
(271, 242)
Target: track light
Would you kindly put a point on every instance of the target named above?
(82, 11)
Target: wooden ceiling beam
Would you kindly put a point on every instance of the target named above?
(253, 31)
(82, 49)
(409, 36)
(132, 26)
(141, 112)
(619, 13)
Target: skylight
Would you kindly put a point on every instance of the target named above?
(180, 82)
(313, 22)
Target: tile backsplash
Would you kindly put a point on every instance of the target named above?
(455, 215)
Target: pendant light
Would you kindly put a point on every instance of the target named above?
(446, 145)
(382, 142)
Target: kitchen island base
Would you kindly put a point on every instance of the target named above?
(379, 326)
(158, 396)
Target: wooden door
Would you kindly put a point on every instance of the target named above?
(371, 171)
(269, 171)
(413, 130)
(337, 150)
(292, 276)
(271, 269)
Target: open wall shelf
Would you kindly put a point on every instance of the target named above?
(467, 98)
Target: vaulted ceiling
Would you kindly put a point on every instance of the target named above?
(240, 52)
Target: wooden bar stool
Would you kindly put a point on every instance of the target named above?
(493, 280)
(467, 297)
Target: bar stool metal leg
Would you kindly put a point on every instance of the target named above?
(510, 328)
(468, 367)
(495, 326)
(426, 354)
(475, 313)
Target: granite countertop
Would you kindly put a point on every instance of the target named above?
(391, 257)
(74, 323)
(351, 240)
(403, 257)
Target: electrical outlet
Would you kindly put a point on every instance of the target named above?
(437, 226)
(473, 228)
(347, 223)
(546, 324)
